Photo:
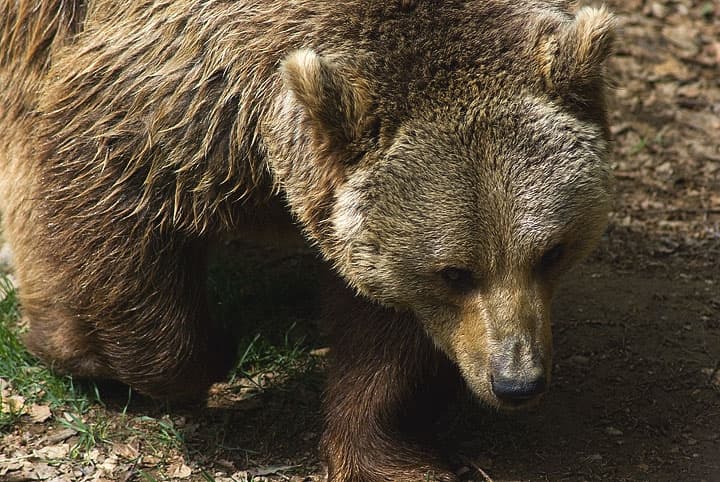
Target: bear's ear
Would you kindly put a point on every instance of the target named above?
(573, 56)
(336, 108)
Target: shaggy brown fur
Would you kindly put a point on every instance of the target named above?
(448, 159)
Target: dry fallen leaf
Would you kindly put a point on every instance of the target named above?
(126, 451)
(178, 470)
(94, 455)
(108, 466)
(150, 461)
(43, 471)
(13, 404)
(320, 351)
(53, 451)
(673, 68)
(8, 465)
(39, 413)
(60, 435)
(684, 37)
(241, 476)
(271, 470)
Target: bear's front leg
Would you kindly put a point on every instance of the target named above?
(106, 308)
(386, 383)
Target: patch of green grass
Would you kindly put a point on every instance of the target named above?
(147, 476)
(260, 357)
(707, 11)
(639, 147)
(89, 434)
(159, 434)
(26, 377)
(265, 300)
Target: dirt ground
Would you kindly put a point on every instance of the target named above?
(636, 387)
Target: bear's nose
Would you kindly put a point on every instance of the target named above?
(517, 389)
(517, 373)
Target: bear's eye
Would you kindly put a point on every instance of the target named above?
(552, 257)
(458, 279)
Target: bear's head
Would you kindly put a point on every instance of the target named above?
(463, 196)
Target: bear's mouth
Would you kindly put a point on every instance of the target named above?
(506, 405)
(516, 405)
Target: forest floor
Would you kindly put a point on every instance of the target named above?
(636, 387)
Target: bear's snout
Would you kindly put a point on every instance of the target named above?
(517, 374)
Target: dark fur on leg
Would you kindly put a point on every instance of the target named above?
(387, 383)
(150, 330)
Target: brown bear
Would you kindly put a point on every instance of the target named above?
(448, 158)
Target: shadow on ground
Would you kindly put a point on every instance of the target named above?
(635, 394)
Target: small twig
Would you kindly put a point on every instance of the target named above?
(468, 462)
(486, 477)
(20, 458)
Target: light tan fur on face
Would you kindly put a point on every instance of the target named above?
(511, 311)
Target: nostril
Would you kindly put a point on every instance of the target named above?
(517, 389)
